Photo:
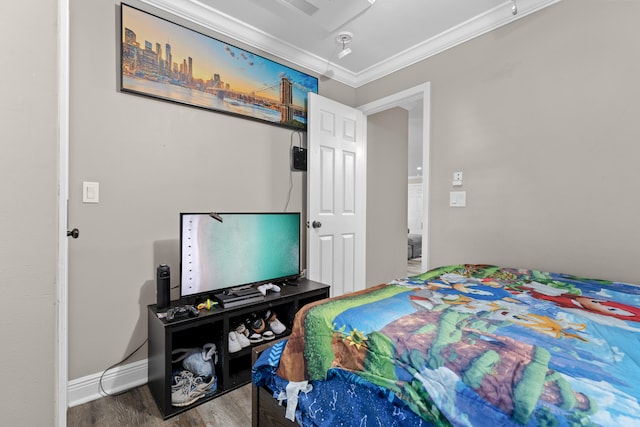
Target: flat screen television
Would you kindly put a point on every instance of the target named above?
(221, 251)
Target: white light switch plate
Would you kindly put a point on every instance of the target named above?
(90, 192)
(458, 199)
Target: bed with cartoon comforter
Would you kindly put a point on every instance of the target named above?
(464, 345)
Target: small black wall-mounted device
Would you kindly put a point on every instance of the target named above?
(299, 158)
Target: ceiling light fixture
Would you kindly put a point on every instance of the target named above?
(344, 38)
(514, 8)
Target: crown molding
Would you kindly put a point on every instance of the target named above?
(477, 26)
(203, 15)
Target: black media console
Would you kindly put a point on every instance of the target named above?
(233, 370)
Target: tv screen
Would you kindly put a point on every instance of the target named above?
(242, 249)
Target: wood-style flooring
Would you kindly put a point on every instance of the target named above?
(414, 267)
(136, 407)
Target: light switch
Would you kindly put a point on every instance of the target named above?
(458, 199)
(90, 192)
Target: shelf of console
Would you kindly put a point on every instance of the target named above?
(233, 369)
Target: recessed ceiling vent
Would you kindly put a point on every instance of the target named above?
(302, 5)
(329, 14)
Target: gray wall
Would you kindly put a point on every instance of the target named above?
(387, 148)
(28, 212)
(542, 117)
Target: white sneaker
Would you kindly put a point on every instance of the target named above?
(276, 326)
(243, 340)
(180, 379)
(255, 338)
(241, 329)
(268, 335)
(234, 344)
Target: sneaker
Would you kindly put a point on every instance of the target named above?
(234, 344)
(255, 324)
(213, 387)
(243, 340)
(268, 335)
(179, 378)
(241, 329)
(276, 326)
(255, 338)
(189, 388)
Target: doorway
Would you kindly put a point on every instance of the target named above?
(416, 99)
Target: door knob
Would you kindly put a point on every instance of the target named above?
(73, 233)
(316, 224)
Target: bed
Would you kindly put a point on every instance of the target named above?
(462, 345)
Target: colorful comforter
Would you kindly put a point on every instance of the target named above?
(476, 345)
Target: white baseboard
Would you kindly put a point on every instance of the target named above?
(86, 389)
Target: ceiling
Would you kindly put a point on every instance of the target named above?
(387, 35)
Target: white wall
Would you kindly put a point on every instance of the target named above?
(28, 212)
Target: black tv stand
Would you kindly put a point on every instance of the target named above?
(233, 370)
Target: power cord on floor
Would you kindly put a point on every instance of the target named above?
(116, 364)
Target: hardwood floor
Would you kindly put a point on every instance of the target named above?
(136, 407)
(414, 267)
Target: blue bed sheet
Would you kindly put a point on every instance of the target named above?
(342, 399)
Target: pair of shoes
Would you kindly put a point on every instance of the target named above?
(248, 334)
(241, 335)
(276, 326)
(256, 338)
(237, 341)
(186, 388)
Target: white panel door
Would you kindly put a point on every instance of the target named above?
(336, 196)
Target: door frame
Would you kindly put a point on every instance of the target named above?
(61, 376)
(403, 99)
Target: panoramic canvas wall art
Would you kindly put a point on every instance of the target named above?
(168, 61)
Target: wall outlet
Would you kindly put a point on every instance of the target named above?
(457, 178)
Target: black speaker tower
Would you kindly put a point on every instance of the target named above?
(163, 284)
